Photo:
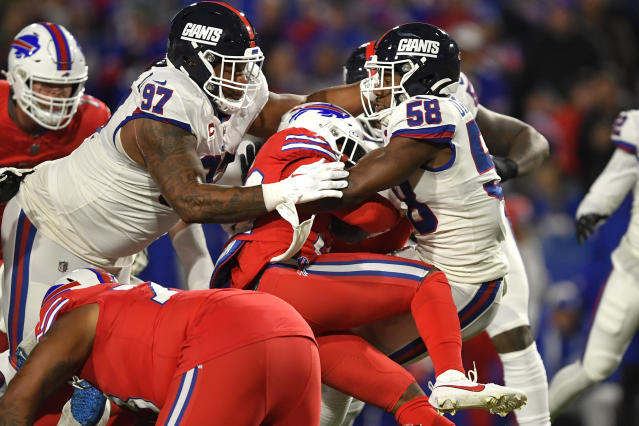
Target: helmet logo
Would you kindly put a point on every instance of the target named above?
(324, 110)
(201, 33)
(412, 46)
(25, 46)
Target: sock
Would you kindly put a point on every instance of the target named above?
(418, 411)
(335, 406)
(351, 365)
(435, 315)
(525, 370)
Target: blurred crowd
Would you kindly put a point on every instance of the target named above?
(565, 66)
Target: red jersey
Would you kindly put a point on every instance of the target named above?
(271, 235)
(18, 149)
(147, 334)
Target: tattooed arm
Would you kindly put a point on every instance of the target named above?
(168, 153)
(60, 354)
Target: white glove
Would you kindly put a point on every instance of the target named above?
(309, 182)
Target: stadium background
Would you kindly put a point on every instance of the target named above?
(565, 66)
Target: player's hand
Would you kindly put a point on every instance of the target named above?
(248, 156)
(309, 182)
(505, 168)
(10, 178)
(587, 224)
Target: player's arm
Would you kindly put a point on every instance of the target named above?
(169, 154)
(380, 169)
(512, 140)
(607, 192)
(267, 122)
(60, 355)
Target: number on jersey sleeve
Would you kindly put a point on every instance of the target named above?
(419, 214)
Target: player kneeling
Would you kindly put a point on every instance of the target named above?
(187, 357)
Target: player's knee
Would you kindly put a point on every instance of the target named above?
(516, 339)
(600, 365)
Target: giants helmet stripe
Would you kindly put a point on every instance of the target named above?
(249, 27)
(61, 45)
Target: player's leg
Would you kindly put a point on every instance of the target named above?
(340, 291)
(33, 263)
(615, 323)
(297, 399)
(354, 367)
(398, 337)
(260, 383)
(510, 333)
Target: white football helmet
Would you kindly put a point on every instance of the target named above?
(87, 277)
(47, 53)
(340, 129)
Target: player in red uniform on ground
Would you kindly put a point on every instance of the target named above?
(195, 357)
(352, 285)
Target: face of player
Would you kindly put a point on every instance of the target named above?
(235, 73)
(52, 90)
(384, 96)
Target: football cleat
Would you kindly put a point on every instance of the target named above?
(87, 407)
(454, 391)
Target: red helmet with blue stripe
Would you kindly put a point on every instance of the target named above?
(47, 53)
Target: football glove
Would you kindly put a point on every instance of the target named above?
(248, 157)
(10, 179)
(505, 168)
(309, 182)
(586, 225)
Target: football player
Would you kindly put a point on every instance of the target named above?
(617, 317)
(152, 163)
(433, 156)
(331, 277)
(44, 112)
(223, 343)
(517, 149)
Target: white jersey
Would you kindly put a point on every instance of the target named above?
(620, 176)
(457, 209)
(101, 205)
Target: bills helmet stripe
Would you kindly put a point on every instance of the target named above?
(61, 45)
(249, 27)
(103, 276)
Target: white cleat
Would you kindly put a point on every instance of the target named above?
(453, 391)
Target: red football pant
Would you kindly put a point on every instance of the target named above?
(338, 292)
(272, 382)
(341, 291)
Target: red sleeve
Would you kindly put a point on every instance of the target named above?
(376, 215)
(386, 242)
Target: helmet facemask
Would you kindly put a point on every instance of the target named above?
(386, 79)
(230, 68)
(347, 143)
(50, 112)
